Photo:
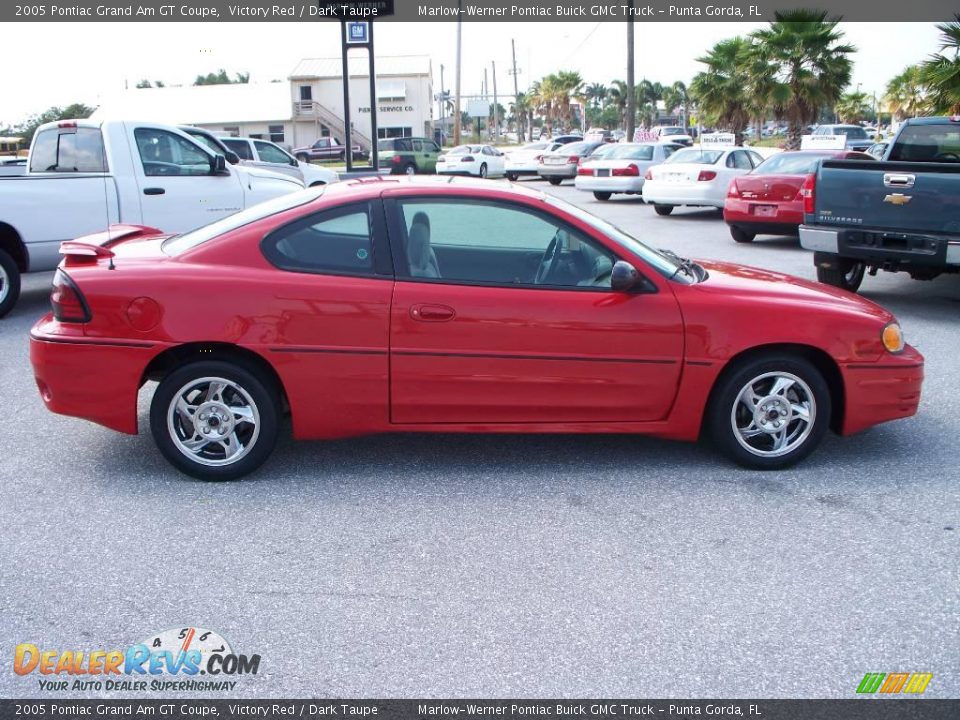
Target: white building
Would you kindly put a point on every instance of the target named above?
(295, 113)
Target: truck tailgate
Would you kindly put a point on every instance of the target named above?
(895, 196)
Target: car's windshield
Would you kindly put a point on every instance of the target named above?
(187, 241)
(577, 148)
(663, 264)
(535, 146)
(672, 131)
(855, 133)
(790, 163)
(696, 156)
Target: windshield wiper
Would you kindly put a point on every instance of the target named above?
(688, 266)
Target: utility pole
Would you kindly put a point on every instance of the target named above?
(521, 124)
(456, 104)
(631, 90)
(443, 107)
(496, 109)
(486, 100)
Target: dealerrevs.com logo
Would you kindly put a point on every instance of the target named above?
(168, 661)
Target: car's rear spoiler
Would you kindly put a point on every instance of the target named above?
(89, 248)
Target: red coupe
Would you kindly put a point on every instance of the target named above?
(769, 199)
(431, 305)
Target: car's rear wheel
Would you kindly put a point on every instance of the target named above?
(512, 176)
(740, 235)
(603, 196)
(770, 411)
(215, 420)
(663, 209)
(840, 272)
(555, 180)
(9, 283)
(409, 169)
(483, 170)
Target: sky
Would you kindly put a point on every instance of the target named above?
(82, 62)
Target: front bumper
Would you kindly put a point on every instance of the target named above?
(97, 380)
(877, 246)
(888, 389)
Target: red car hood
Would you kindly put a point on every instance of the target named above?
(730, 279)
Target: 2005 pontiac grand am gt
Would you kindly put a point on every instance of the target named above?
(439, 305)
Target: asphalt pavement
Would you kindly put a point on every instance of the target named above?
(503, 566)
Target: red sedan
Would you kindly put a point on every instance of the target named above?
(427, 305)
(769, 199)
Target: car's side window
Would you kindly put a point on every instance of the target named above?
(271, 153)
(418, 146)
(240, 147)
(494, 243)
(433, 147)
(165, 154)
(338, 241)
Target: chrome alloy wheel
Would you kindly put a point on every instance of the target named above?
(213, 421)
(4, 284)
(773, 414)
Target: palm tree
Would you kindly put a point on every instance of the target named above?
(807, 62)
(721, 91)
(675, 98)
(521, 108)
(617, 95)
(853, 107)
(596, 94)
(941, 73)
(906, 95)
(569, 86)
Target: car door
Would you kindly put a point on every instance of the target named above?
(431, 151)
(735, 164)
(178, 189)
(476, 338)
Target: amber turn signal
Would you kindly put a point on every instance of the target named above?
(892, 337)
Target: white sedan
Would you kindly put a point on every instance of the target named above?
(477, 160)
(524, 161)
(696, 177)
(620, 168)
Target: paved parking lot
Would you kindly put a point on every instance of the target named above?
(408, 566)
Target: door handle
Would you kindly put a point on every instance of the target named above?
(432, 313)
(153, 191)
(899, 180)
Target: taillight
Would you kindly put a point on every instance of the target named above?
(67, 124)
(648, 175)
(67, 301)
(539, 158)
(584, 170)
(706, 175)
(573, 159)
(467, 158)
(808, 193)
(395, 159)
(630, 170)
(733, 191)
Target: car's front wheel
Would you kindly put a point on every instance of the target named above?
(770, 411)
(483, 170)
(603, 196)
(215, 420)
(9, 283)
(512, 176)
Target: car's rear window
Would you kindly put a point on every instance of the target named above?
(68, 150)
(790, 163)
(696, 156)
(927, 143)
(629, 152)
(188, 241)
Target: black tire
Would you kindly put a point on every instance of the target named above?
(512, 177)
(303, 157)
(603, 196)
(409, 169)
(663, 209)
(9, 283)
(318, 183)
(840, 272)
(262, 394)
(724, 404)
(483, 170)
(555, 180)
(740, 235)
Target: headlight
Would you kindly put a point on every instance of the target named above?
(892, 337)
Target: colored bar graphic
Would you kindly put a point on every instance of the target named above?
(870, 682)
(894, 682)
(918, 682)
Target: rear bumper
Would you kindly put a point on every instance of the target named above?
(785, 220)
(619, 184)
(97, 380)
(877, 246)
(888, 389)
(669, 193)
(560, 171)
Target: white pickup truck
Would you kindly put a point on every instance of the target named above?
(84, 175)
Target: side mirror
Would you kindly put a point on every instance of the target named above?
(218, 165)
(232, 157)
(623, 276)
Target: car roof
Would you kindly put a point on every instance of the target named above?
(374, 185)
(938, 120)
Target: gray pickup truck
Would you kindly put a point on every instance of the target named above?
(901, 214)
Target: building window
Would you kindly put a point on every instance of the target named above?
(394, 132)
(256, 136)
(306, 93)
(276, 133)
(232, 130)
